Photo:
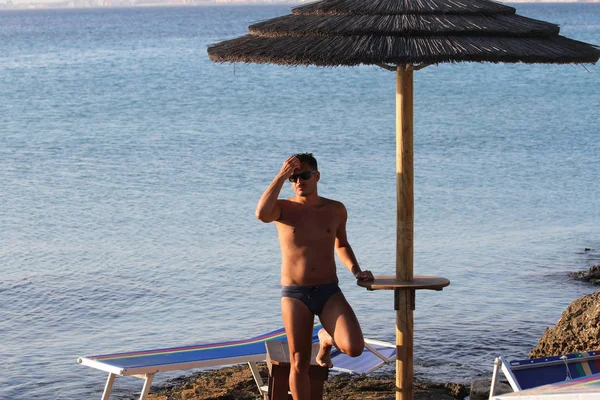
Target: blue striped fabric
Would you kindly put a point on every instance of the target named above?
(196, 353)
(536, 372)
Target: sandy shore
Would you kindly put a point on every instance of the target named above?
(233, 383)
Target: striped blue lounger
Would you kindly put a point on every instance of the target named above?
(531, 373)
(584, 388)
(146, 363)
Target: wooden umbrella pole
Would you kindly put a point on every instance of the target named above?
(403, 298)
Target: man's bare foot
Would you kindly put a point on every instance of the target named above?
(326, 342)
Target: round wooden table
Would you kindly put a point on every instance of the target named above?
(404, 304)
(418, 282)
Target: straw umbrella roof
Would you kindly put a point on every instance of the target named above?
(353, 32)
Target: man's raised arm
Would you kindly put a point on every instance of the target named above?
(267, 209)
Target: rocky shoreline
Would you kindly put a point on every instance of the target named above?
(592, 275)
(577, 330)
(236, 383)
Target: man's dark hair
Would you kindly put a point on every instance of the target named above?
(309, 159)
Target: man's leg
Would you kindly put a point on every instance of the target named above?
(298, 322)
(341, 328)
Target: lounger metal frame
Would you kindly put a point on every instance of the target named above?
(147, 373)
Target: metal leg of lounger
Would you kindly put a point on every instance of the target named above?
(147, 383)
(510, 376)
(257, 378)
(495, 378)
(108, 386)
(374, 351)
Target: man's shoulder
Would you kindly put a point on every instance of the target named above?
(287, 203)
(338, 205)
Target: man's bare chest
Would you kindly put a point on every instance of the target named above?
(309, 226)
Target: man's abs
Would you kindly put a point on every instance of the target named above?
(304, 272)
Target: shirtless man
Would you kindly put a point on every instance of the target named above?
(310, 227)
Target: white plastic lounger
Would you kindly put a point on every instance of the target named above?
(145, 364)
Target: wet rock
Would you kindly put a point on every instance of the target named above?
(457, 390)
(592, 275)
(480, 389)
(577, 330)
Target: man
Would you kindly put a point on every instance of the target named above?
(310, 227)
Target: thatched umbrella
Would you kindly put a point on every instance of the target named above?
(403, 36)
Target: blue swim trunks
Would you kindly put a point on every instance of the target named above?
(314, 297)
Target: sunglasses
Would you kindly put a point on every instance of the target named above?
(304, 175)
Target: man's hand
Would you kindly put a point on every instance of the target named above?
(289, 166)
(364, 276)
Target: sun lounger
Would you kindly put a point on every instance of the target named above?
(531, 373)
(584, 388)
(145, 364)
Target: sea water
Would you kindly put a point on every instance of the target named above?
(130, 167)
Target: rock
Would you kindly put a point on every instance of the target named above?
(578, 329)
(592, 275)
(480, 389)
(457, 390)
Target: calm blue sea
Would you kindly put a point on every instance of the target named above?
(130, 166)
